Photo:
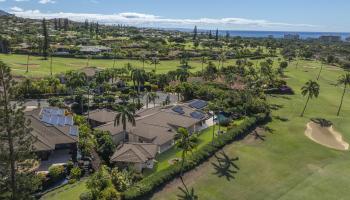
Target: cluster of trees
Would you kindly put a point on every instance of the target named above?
(108, 184)
(16, 145)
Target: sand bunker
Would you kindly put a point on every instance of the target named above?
(326, 136)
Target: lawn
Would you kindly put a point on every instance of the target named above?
(67, 192)
(40, 68)
(204, 138)
(287, 165)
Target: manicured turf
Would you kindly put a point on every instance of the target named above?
(287, 165)
(204, 138)
(40, 68)
(68, 192)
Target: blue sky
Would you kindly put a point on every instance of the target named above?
(284, 15)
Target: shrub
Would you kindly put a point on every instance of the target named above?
(70, 166)
(110, 193)
(75, 173)
(72, 181)
(56, 172)
(150, 183)
(86, 196)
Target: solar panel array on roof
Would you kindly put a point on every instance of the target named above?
(178, 109)
(61, 120)
(197, 115)
(69, 120)
(54, 120)
(73, 131)
(198, 104)
(46, 118)
(55, 116)
(53, 111)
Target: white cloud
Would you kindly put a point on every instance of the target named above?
(141, 19)
(16, 9)
(2, 0)
(46, 1)
(21, 0)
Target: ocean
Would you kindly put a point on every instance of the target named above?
(265, 34)
(280, 34)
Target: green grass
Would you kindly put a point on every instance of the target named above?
(287, 165)
(204, 138)
(67, 192)
(40, 68)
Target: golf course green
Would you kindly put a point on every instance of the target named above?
(285, 164)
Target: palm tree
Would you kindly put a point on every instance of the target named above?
(88, 60)
(311, 89)
(178, 89)
(143, 59)
(319, 73)
(139, 77)
(187, 143)
(222, 59)
(182, 75)
(204, 60)
(152, 96)
(344, 80)
(51, 60)
(216, 107)
(125, 114)
(155, 61)
(31, 48)
(75, 79)
(133, 95)
(115, 51)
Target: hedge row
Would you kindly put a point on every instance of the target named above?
(149, 184)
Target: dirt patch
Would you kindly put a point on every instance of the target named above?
(326, 136)
(77, 64)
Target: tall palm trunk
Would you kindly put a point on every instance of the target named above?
(88, 61)
(51, 66)
(218, 124)
(202, 68)
(342, 98)
(319, 73)
(114, 59)
(181, 172)
(307, 101)
(28, 63)
(212, 141)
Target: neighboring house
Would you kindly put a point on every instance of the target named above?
(94, 49)
(55, 133)
(137, 155)
(159, 125)
(101, 116)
